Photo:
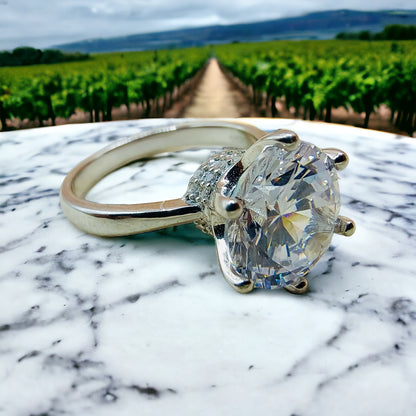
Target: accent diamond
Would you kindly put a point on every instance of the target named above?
(291, 203)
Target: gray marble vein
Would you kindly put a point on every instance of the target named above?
(146, 325)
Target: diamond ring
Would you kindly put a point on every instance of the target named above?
(271, 201)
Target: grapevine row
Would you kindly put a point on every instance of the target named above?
(45, 92)
(315, 77)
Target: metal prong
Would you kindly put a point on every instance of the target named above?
(338, 158)
(286, 139)
(344, 226)
(236, 281)
(228, 208)
(245, 287)
(299, 288)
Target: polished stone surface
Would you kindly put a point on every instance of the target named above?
(147, 325)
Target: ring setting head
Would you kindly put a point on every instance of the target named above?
(272, 210)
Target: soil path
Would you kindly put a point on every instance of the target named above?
(217, 97)
(214, 93)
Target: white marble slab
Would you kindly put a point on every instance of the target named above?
(146, 325)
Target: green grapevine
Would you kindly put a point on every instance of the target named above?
(96, 86)
(313, 77)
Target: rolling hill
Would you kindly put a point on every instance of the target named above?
(318, 25)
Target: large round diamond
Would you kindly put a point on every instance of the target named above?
(291, 202)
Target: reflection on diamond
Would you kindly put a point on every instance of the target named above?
(291, 202)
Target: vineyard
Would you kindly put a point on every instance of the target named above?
(311, 77)
(314, 77)
(96, 86)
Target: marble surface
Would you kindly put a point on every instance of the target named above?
(146, 325)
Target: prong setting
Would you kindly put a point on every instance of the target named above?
(239, 205)
(344, 226)
(298, 288)
(338, 158)
(236, 281)
(245, 287)
(227, 208)
(285, 139)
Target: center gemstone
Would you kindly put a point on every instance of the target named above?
(291, 203)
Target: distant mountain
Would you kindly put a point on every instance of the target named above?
(319, 25)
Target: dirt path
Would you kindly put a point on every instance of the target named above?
(221, 95)
(217, 97)
(213, 93)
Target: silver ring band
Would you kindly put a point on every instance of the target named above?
(127, 219)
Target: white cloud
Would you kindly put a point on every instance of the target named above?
(46, 22)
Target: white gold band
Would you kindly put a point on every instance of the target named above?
(127, 219)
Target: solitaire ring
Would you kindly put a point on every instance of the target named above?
(270, 200)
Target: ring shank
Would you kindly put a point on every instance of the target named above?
(127, 219)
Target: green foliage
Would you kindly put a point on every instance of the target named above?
(96, 86)
(314, 77)
(390, 32)
(31, 56)
(398, 32)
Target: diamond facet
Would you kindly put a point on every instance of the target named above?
(291, 204)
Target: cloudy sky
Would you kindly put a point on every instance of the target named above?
(42, 23)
